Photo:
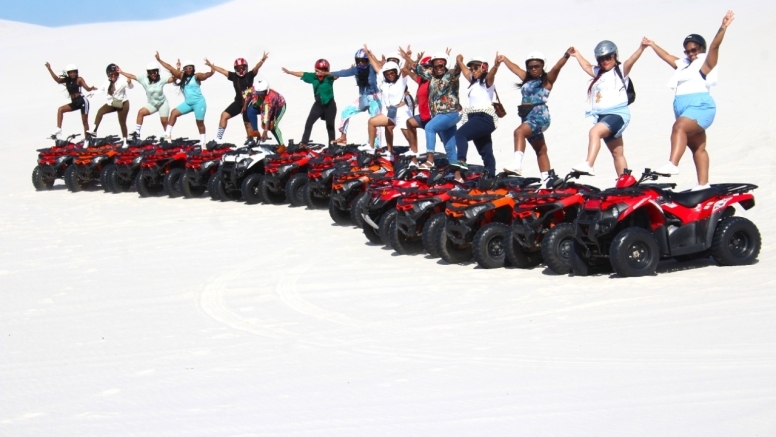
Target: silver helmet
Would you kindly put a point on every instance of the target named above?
(604, 48)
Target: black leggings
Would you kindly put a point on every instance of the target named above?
(327, 112)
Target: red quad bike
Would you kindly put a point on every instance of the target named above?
(348, 190)
(120, 175)
(489, 205)
(419, 211)
(285, 175)
(542, 225)
(89, 163)
(334, 160)
(636, 224)
(201, 166)
(54, 161)
(150, 180)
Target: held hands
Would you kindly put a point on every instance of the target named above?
(409, 50)
(499, 60)
(207, 62)
(572, 52)
(458, 58)
(729, 17)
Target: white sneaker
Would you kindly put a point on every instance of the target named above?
(387, 155)
(366, 147)
(409, 153)
(91, 133)
(584, 168)
(516, 169)
(669, 169)
(700, 187)
(55, 135)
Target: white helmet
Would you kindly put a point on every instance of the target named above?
(390, 65)
(187, 62)
(71, 67)
(439, 55)
(537, 55)
(152, 66)
(261, 86)
(478, 60)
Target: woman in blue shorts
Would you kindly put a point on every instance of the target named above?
(533, 112)
(608, 95)
(694, 108)
(194, 101)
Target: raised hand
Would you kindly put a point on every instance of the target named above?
(178, 64)
(285, 70)
(157, 56)
(646, 42)
(409, 50)
(264, 56)
(458, 58)
(729, 17)
(207, 62)
(498, 60)
(448, 50)
(48, 65)
(572, 52)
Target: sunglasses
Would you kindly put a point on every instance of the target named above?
(601, 59)
(362, 61)
(440, 65)
(534, 66)
(153, 71)
(692, 51)
(474, 66)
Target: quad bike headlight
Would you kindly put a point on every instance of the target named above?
(327, 173)
(608, 218)
(282, 171)
(349, 185)
(97, 159)
(207, 164)
(61, 159)
(137, 160)
(422, 205)
(473, 212)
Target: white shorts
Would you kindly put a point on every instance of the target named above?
(164, 109)
(402, 115)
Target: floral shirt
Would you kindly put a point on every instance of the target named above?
(443, 91)
(271, 106)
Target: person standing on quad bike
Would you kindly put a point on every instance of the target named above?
(324, 107)
(395, 109)
(694, 108)
(73, 83)
(608, 94)
(534, 114)
(189, 82)
(423, 116)
(368, 92)
(117, 101)
(479, 118)
(262, 101)
(153, 84)
(242, 79)
(444, 105)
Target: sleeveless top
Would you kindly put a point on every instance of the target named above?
(192, 92)
(534, 93)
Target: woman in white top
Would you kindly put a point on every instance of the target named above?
(694, 108)
(392, 82)
(479, 118)
(608, 94)
(117, 100)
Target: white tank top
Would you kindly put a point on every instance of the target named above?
(480, 96)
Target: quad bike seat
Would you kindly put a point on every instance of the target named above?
(692, 198)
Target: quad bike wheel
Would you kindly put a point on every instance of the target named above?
(384, 230)
(452, 253)
(736, 242)
(295, 188)
(403, 245)
(556, 248)
(190, 191)
(339, 216)
(314, 200)
(634, 252)
(146, 189)
(212, 182)
(251, 189)
(428, 236)
(270, 196)
(488, 245)
(355, 209)
(39, 182)
(171, 182)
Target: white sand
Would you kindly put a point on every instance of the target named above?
(162, 317)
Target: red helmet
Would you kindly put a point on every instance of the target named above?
(426, 61)
(322, 64)
(240, 62)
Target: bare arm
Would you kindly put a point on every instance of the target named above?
(586, 66)
(628, 64)
(292, 73)
(373, 61)
(54, 76)
(467, 72)
(216, 68)
(514, 68)
(204, 76)
(174, 71)
(129, 76)
(491, 77)
(260, 63)
(662, 54)
(552, 75)
(713, 54)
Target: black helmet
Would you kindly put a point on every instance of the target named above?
(697, 39)
(111, 68)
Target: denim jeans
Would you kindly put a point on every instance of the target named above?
(478, 128)
(444, 125)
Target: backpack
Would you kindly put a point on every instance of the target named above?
(630, 91)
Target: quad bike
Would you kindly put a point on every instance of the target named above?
(419, 211)
(240, 173)
(201, 165)
(88, 164)
(632, 226)
(488, 206)
(285, 175)
(54, 161)
(150, 180)
(120, 174)
(348, 190)
(542, 226)
(333, 160)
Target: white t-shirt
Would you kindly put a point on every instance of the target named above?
(687, 78)
(480, 96)
(608, 91)
(391, 94)
(119, 92)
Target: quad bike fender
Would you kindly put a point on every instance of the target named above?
(651, 209)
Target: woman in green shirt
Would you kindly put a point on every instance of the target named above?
(324, 106)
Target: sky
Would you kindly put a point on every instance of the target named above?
(58, 13)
